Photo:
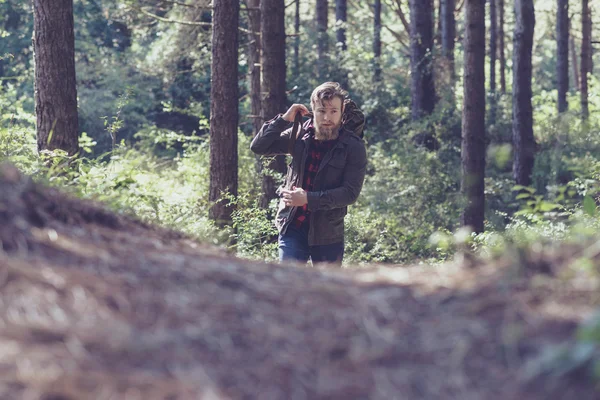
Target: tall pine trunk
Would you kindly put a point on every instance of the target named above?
(576, 82)
(493, 53)
(322, 40)
(586, 55)
(502, 56)
(224, 109)
(377, 43)
(55, 81)
(297, 39)
(421, 46)
(562, 53)
(473, 118)
(254, 74)
(522, 124)
(448, 23)
(273, 79)
(341, 17)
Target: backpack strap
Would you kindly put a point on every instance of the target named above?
(296, 128)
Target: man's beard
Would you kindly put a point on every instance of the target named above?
(327, 132)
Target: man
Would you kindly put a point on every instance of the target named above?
(325, 176)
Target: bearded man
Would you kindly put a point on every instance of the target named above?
(325, 176)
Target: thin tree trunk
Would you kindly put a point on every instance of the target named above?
(254, 66)
(341, 17)
(473, 119)
(377, 43)
(522, 126)
(576, 82)
(586, 52)
(322, 40)
(493, 53)
(224, 109)
(55, 81)
(297, 39)
(448, 34)
(421, 38)
(562, 53)
(501, 35)
(273, 79)
(438, 31)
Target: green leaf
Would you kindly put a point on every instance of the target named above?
(523, 196)
(589, 205)
(545, 206)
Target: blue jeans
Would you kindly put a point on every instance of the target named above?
(293, 246)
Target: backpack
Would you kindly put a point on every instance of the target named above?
(353, 119)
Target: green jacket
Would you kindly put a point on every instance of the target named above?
(338, 181)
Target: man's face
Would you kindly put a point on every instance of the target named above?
(328, 118)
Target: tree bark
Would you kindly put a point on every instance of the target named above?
(502, 50)
(55, 80)
(224, 109)
(576, 82)
(493, 53)
(254, 67)
(421, 45)
(448, 22)
(377, 43)
(562, 53)
(273, 79)
(341, 17)
(438, 32)
(341, 14)
(322, 40)
(522, 125)
(473, 118)
(297, 39)
(586, 55)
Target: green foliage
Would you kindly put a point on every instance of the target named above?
(255, 235)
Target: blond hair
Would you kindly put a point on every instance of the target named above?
(327, 91)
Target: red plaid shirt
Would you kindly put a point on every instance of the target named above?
(316, 153)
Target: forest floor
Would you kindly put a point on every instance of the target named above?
(95, 305)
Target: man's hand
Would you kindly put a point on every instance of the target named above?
(295, 197)
(290, 114)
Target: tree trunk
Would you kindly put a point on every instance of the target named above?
(448, 32)
(254, 67)
(562, 53)
(421, 46)
(473, 119)
(377, 43)
(273, 79)
(576, 82)
(322, 40)
(341, 17)
(522, 125)
(438, 31)
(586, 53)
(448, 36)
(224, 109)
(493, 53)
(502, 57)
(55, 81)
(297, 39)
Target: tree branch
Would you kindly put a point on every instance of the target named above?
(399, 38)
(178, 3)
(177, 21)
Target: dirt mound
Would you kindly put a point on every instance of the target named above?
(99, 306)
